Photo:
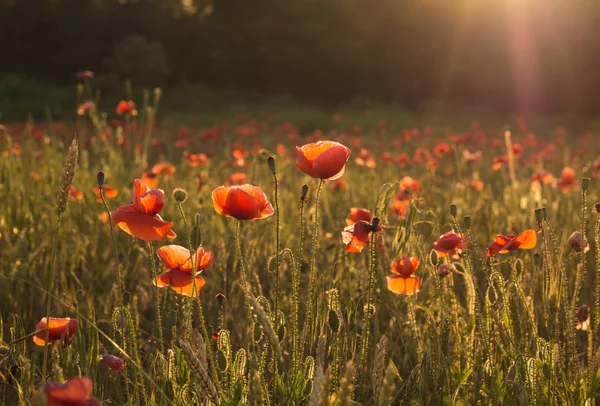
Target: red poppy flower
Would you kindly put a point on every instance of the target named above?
(402, 160)
(85, 107)
(356, 236)
(365, 159)
(408, 183)
(339, 184)
(402, 281)
(245, 202)
(75, 392)
(505, 243)
(59, 329)
(441, 149)
(165, 168)
(567, 181)
(543, 177)
(86, 74)
(126, 107)
(579, 242)
(238, 178)
(180, 276)
(150, 179)
(499, 161)
(357, 214)
(517, 150)
(141, 218)
(471, 157)
(113, 363)
(449, 244)
(323, 159)
(109, 193)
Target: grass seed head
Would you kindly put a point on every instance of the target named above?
(66, 181)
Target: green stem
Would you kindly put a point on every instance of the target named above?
(309, 322)
(245, 285)
(49, 299)
(156, 299)
(295, 296)
(120, 279)
(367, 317)
(278, 262)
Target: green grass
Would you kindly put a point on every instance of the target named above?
(492, 332)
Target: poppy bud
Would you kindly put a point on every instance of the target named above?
(334, 321)
(583, 318)
(180, 195)
(433, 257)
(304, 192)
(585, 183)
(453, 210)
(539, 216)
(579, 242)
(598, 208)
(100, 179)
(518, 267)
(172, 318)
(459, 267)
(375, 224)
(220, 299)
(271, 163)
(443, 270)
(545, 213)
(467, 222)
(113, 363)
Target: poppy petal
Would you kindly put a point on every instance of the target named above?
(404, 286)
(74, 392)
(163, 279)
(147, 228)
(182, 283)
(173, 256)
(527, 239)
(242, 205)
(330, 164)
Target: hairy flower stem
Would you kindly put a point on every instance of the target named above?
(245, 284)
(295, 296)
(120, 279)
(277, 263)
(161, 346)
(596, 318)
(195, 294)
(310, 303)
(49, 298)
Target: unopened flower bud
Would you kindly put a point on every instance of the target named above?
(271, 163)
(443, 270)
(433, 257)
(579, 242)
(100, 179)
(585, 183)
(304, 192)
(453, 210)
(220, 299)
(180, 195)
(467, 222)
(539, 215)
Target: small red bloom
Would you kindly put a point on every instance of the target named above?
(450, 244)
(357, 235)
(245, 202)
(113, 363)
(75, 194)
(109, 193)
(59, 329)
(165, 168)
(441, 149)
(238, 178)
(408, 183)
(567, 181)
(126, 108)
(402, 281)
(505, 243)
(499, 161)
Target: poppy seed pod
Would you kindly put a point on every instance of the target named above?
(272, 166)
(467, 222)
(433, 257)
(585, 183)
(304, 192)
(443, 270)
(539, 216)
(100, 178)
(453, 210)
(220, 299)
(180, 195)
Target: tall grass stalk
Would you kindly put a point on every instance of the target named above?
(158, 310)
(296, 343)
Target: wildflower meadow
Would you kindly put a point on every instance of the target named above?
(149, 261)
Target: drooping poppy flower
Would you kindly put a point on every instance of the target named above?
(583, 318)
(505, 243)
(579, 242)
(238, 178)
(324, 159)
(357, 235)
(126, 108)
(245, 202)
(109, 193)
(408, 183)
(180, 276)
(75, 194)
(113, 363)
(75, 392)
(141, 219)
(449, 244)
(59, 329)
(402, 281)
(567, 181)
(357, 214)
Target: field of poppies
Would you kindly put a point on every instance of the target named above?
(147, 262)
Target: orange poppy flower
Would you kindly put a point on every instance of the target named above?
(408, 183)
(238, 178)
(450, 244)
(517, 150)
(150, 179)
(196, 159)
(499, 161)
(402, 160)
(402, 281)
(75, 392)
(245, 202)
(357, 235)
(357, 214)
(75, 194)
(59, 329)
(505, 243)
(35, 176)
(109, 193)
(126, 107)
(165, 168)
(141, 218)
(324, 159)
(543, 177)
(339, 184)
(365, 159)
(180, 276)
(471, 157)
(85, 107)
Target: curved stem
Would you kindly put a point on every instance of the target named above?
(120, 279)
(156, 299)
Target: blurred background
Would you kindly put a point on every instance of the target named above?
(503, 56)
